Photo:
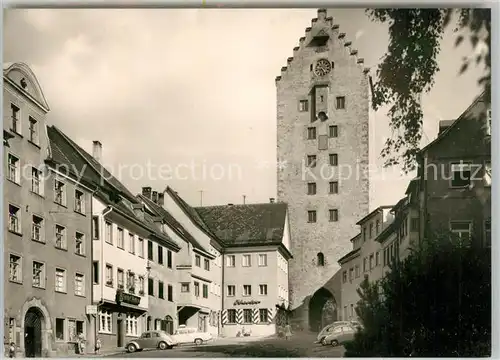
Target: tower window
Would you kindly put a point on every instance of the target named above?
(334, 159)
(321, 98)
(334, 215)
(311, 161)
(311, 133)
(303, 105)
(311, 67)
(311, 216)
(320, 259)
(311, 188)
(334, 187)
(333, 131)
(340, 103)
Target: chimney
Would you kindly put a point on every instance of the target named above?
(154, 197)
(444, 124)
(146, 192)
(97, 150)
(271, 200)
(161, 198)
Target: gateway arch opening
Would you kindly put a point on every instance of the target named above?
(322, 309)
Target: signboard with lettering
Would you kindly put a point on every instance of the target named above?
(247, 302)
(91, 309)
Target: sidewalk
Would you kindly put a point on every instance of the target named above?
(102, 353)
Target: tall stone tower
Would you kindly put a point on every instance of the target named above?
(322, 119)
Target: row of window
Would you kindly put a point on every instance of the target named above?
(68, 329)
(135, 243)
(246, 260)
(38, 231)
(339, 103)
(333, 188)
(206, 262)
(333, 215)
(311, 160)
(333, 132)
(185, 288)
(39, 276)
(37, 187)
(282, 264)
(132, 324)
(246, 290)
(129, 282)
(247, 316)
(161, 290)
(16, 124)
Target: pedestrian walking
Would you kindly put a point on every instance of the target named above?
(12, 350)
(288, 331)
(97, 345)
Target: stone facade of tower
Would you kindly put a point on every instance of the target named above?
(322, 119)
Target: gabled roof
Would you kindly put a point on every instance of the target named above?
(159, 234)
(190, 212)
(349, 255)
(249, 224)
(171, 222)
(71, 153)
(374, 212)
(66, 153)
(26, 70)
(453, 124)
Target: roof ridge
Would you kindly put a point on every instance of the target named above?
(81, 152)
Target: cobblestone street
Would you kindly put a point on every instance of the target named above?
(300, 345)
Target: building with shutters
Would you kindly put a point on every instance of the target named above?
(322, 140)
(162, 273)
(198, 263)
(256, 242)
(121, 236)
(47, 235)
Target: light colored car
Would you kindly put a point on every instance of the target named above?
(329, 328)
(154, 339)
(340, 335)
(188, 335)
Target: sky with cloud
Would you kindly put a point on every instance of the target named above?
(192, 86)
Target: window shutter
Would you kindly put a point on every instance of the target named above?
(255, 316)
(306, 132)
(270, 315)
(224, 317)
(239, 316)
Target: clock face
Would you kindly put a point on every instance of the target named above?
(323, 67)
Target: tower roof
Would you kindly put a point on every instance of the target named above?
(323, 28)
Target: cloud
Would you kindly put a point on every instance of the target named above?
(168, 85)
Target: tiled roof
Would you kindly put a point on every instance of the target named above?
(172, 222)
(348, 255)
(250, 224)
(158, 233)
(190, 211)
(67, 153)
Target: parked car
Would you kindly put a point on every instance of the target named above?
(339, 335)
(154, 339)
(329, 328)
(188, 335)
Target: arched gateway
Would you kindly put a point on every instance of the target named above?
(34, 323)
(322, 309)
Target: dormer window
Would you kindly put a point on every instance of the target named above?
(320, 39)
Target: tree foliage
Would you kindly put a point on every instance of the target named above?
(437, 302)
(409, 67)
